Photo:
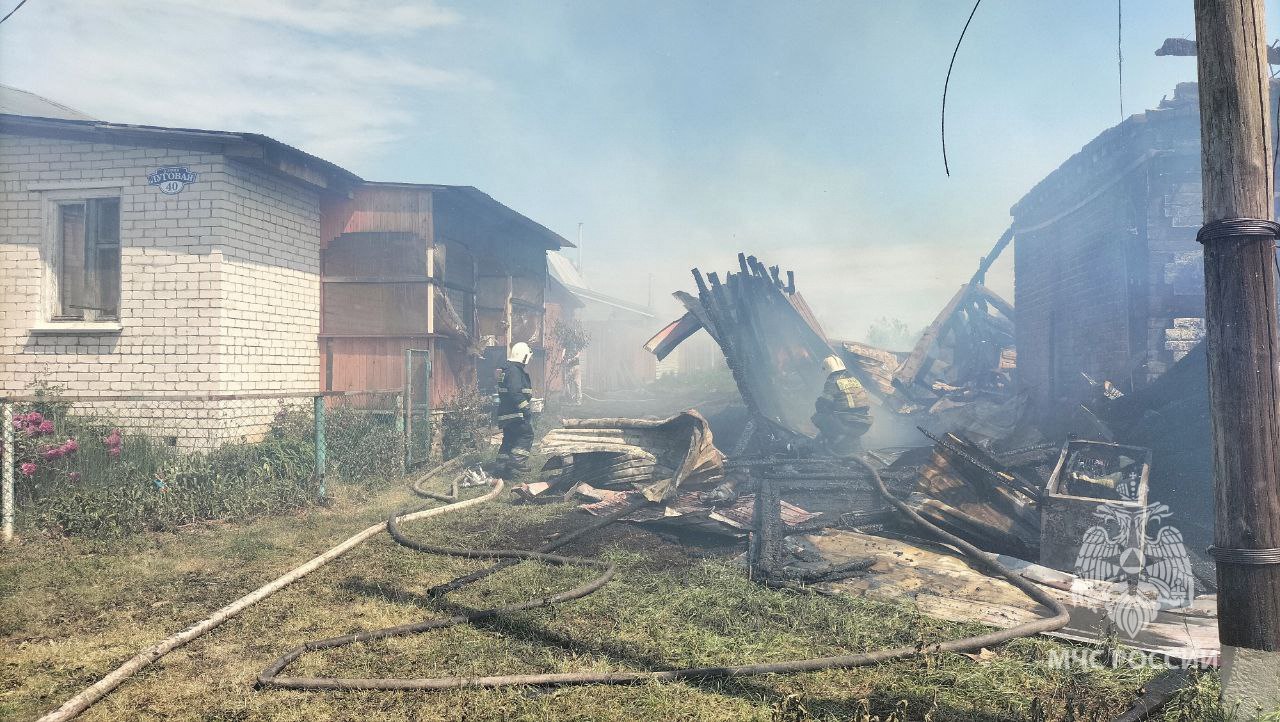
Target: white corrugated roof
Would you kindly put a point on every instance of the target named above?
(19, 102)
(563, 270)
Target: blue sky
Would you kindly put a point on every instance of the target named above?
(677, 133)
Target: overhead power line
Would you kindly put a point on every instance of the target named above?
(945, 85)
(1120, 51)
(14, 10)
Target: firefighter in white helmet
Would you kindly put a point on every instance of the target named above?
(843, 411)
(515, 410)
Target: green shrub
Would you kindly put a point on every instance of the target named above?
(80, 474)
(363, 448)
(465, 423)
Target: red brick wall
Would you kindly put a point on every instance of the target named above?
(1105, 258)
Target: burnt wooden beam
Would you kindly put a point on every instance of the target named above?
(1188, 48)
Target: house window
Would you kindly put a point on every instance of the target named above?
(88, 260)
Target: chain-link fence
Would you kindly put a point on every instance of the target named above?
(107, 464)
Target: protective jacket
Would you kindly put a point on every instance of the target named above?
(515, 394)
(842, 394)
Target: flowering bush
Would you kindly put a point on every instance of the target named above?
(39, 445)
(80, 474)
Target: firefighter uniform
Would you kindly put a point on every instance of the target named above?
(843, 411)
(515, 411)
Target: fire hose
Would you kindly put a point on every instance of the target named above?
(270, 678)
(82, 701)
(1057, 618)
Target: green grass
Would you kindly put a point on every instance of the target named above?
(72, 610)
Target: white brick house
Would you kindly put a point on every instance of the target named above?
(113, 283)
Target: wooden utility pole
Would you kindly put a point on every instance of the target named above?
(1240, 317)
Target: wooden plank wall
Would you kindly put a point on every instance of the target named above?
(493, 306)
(374, 244)
(453, 370)
(374, 306)
(360, 364)
(379, 209)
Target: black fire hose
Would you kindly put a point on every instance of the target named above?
(270, 678)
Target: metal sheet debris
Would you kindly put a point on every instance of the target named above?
(656, 456)
(735, 517)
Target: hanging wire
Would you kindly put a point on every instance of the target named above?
(1264, 86)
(14, 10)
(1275, 141)
(1120, 51)
(945, 166)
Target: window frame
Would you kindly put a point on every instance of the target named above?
(51, 258)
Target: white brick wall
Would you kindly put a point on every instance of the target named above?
(271, 260)
(219, 283)
(1183, 336)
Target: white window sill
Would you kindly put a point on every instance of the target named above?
(80, 327)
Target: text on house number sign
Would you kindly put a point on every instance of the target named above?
(171, 179)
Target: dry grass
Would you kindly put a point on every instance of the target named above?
(73, 610)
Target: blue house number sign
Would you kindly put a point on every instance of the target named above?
(172, 179)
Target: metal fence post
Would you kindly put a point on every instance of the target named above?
(9, 451)
(426, 414)
(407, 409)
(320, 450)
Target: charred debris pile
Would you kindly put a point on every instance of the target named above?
(951, 435)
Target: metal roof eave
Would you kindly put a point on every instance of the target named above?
(588, 294)
(252, 147)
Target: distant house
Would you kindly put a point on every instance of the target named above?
(616, 359)
(150, 260)
(1108, 275)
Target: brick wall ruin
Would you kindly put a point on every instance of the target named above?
(1108, 276)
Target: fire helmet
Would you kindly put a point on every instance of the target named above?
(520, 353)
(832, 364)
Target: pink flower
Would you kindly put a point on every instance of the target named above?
(71, 445)
(19, 422)
(28, 469)
(112, 439)
(73, 476)
(46, 427)
(52, 453)
(114, 452)
(35, 417)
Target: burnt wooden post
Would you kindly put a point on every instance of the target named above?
(1243, 342)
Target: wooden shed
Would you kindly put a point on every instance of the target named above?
(414, 266)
